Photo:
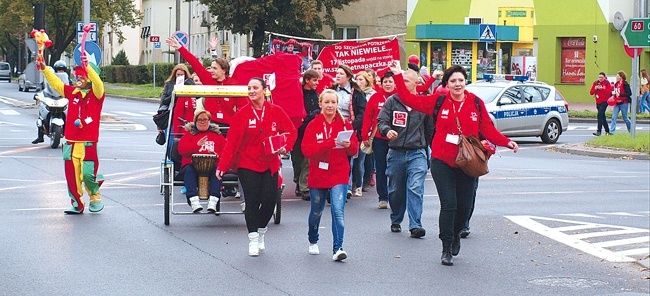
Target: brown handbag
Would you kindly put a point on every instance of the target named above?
(472, 157)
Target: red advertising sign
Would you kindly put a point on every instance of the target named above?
(154, 38)
(375, 53)
(573, 60)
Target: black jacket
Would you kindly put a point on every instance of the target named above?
(416, 133)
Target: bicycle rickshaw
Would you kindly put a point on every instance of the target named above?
(171, 174)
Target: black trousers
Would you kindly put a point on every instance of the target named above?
(456, 192)
(261, 191)
(602, 119)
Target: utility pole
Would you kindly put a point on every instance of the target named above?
(177, 56)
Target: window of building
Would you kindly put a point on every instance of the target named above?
(573, 60)
(438, 56)
(345, 33)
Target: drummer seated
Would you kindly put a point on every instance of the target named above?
(201, 137)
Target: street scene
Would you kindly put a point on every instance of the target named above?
(350, 148)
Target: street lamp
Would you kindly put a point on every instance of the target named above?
(169, 33)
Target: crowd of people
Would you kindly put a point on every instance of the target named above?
(618, 95)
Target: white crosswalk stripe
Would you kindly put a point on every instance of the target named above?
(610, 242)
(127, 113)
(9, 112)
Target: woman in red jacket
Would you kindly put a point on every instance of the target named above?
(201, 137)
(601, 89)
(329, 169)
(456, 190)
(380, 143)
(222, 109)
(251, 129)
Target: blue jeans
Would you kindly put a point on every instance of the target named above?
(368, 166)
(456, 192)
(318, 196)
(406, 172)
(191, 180)
(356, 178)
(623, 108)
(380, 152)
(644, 103)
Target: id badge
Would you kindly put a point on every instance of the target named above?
(323, 165)
(220, 115)
(88, 120)
(452, 139)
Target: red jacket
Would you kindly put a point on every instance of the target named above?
(328, 166)
(325, 82)
(221, 109)
(372, 113)
(601, 95)
(188, 144)
(247, 134)
(184, 108)
(471, 121)
(422, 88)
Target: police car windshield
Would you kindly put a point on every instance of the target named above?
(486, 93)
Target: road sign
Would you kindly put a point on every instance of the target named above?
(182, 37)
(154, 38)
(93, 52)
(487, 33)
(156, 45)
(92, 35)
(636, 33)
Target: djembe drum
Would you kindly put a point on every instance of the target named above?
(204, 163)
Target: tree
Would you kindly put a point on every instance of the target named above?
(293, 17)
(61, 16)
(120, 59)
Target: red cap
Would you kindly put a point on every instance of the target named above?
(413, 59)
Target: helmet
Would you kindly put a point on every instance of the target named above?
(413, 59)
(60, 66)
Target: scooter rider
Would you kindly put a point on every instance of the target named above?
(60, 68)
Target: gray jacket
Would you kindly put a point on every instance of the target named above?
(414, 129)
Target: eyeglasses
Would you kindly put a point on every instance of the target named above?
(203, 120)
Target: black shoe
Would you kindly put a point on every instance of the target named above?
(365, 187)
(446, 259)
(38, 140)
(597, 134)
(305, 195)
(418, 232)
(464, 232)
(609, 134)
(298, 193)
(395, 228)
(455, 246)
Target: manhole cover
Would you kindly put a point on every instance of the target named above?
(568, 282)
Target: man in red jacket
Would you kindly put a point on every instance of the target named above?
(601, 89)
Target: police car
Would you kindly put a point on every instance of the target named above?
(522, 108)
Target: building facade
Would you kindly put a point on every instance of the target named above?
(564, 43)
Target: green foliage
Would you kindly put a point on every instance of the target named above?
(640, 143)
(131, 90)
(293, 17)
(138, 74)
(120, 59)
(592, 114)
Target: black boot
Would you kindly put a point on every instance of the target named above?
(455, 246)
(446, 258)
(40, 136)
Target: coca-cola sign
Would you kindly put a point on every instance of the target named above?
(574, 42)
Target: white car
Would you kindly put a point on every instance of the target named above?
(25, 85)
(521, 108)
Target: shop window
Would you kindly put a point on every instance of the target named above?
(461, 54)
(506, 54)
(485, 60)
(342, 33)
(573, 60)
(439, 56)
(423, 53)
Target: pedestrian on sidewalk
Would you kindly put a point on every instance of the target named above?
(622, 94)
(644, 93)
(601, 89)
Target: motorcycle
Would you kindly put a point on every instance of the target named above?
(51, 117)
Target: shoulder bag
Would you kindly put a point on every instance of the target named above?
(472, 156)
(368, 149)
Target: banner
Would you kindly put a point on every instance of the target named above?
(375, 54)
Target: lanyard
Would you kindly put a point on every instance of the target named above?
(327, 134)
(460, 107)
(259, 118)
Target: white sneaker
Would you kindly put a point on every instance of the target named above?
(212, 204)
(253, 244)
(261, 232)
(313, 249)
(243, 206)
(358, 192)
(340, 255)
(196, 205)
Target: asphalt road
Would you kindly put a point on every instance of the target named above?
(546, 223)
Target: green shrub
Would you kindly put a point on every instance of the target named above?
(120, 59)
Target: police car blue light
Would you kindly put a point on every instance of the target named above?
(507, 77)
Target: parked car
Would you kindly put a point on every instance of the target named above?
(522, 108)
(25, 85)
(5, 71)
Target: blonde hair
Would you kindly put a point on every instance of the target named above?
(366, 76)
(180, 67)
(331, 92)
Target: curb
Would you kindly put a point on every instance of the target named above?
(582, 149)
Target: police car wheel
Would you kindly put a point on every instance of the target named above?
(551, 131)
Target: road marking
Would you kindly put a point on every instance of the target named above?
(23, 149)
(129, 113)
(581, 215)
(577, 241)
(621, 242)
(621, 214)
(9, 112)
